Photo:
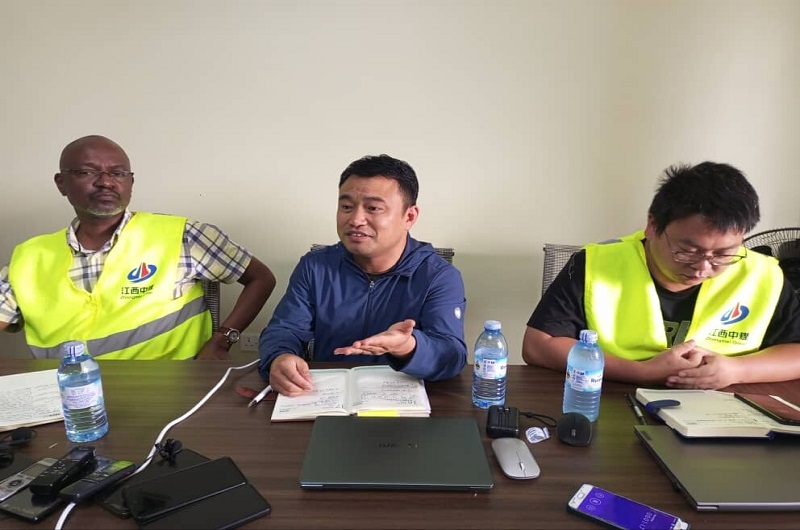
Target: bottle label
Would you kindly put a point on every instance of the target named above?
(491, 368)
(82, 397)
(584, 380)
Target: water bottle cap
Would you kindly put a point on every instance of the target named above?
(492, 325)
(73, 348)
(588, 336)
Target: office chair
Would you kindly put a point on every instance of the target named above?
(211, 295)
(555, 257)
(446, 253)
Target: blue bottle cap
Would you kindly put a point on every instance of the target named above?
(492, 325)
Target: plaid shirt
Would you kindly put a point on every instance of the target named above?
(208, 254)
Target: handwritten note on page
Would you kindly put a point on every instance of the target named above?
(328, 397)
(376, 388)
(29, 399)
(364, 390)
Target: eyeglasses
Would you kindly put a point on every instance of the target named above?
(94, 174)
(717, 260)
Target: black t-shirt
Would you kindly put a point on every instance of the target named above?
(561, 311)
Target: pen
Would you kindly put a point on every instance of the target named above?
(636, 409)
(261, 395)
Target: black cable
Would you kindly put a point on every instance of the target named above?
(543, 418)
(167, 451)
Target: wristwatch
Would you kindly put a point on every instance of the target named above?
(231, 335)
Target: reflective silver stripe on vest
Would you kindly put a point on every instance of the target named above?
(126, 339)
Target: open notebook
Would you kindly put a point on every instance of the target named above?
(711, 414)
(364, 390)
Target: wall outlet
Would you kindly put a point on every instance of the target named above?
(249, 342)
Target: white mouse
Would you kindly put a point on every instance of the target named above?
(515, 458)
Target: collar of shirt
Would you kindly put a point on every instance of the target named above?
(72, 237)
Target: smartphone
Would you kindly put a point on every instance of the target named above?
(224, 511)
(111, 498)
(159, 496)
(106, 473)
(29, 506)
(616, 511)
(17, 481)
(773, 406)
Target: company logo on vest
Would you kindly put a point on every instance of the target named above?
(142, 272)
(735, 314)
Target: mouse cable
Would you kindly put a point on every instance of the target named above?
(65, 513)
(547, 420)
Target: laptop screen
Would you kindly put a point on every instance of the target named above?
(728, 474)
(395, 453)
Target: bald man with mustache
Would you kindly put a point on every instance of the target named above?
(128, 284)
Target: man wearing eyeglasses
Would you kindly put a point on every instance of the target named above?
(126, 283)
(681, 303)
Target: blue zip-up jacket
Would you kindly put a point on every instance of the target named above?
(332, 300)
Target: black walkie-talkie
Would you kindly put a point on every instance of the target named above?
(65, 471)
(106, 472)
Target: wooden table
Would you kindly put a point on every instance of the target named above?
(143, 396)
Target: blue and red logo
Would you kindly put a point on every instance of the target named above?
(142, 272)
(735, 314)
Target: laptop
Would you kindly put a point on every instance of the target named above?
(348, 452)
(728, 474)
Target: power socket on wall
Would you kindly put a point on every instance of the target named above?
(249, 342)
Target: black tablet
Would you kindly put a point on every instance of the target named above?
(157, 497)
(226, 510)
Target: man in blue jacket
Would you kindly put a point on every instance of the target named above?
(377, 296)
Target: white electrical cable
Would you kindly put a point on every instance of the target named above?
(65, 513)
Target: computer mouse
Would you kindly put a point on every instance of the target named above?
(515, 458)
(574, 428)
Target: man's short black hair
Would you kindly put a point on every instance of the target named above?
(386, 166)
(718, 192)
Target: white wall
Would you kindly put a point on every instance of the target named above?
(527, 121)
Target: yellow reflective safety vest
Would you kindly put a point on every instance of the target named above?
(731, 314)
(131, 313)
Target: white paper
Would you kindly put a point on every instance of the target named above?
(712, 413)
(29, 399)
(380, 387)
(363, 389)
(327, 397)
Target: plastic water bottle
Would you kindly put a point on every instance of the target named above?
(491, 361)
(584, 380)
(81, 394)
